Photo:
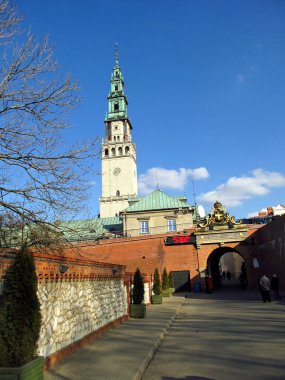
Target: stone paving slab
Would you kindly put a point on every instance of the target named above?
(122, 353)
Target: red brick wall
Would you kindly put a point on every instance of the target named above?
(143, 253)
(150, 252)
(147, 253)
(47, 268)
(269, 248)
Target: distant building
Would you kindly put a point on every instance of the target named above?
(277, 210)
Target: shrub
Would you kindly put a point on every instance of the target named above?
(165, 282)
(138, 290)
(156, 283)
(171, 280)
(20, 319)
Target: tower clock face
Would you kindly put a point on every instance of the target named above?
(116, 171)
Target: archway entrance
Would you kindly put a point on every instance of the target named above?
(226, 267)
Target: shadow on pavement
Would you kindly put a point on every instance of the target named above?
(187, 378)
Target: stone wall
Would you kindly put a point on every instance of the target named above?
(79, 300)
(72, 310)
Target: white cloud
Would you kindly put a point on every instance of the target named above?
(240, 78)
(169, 179)
(238, 189)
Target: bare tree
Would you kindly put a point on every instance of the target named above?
(39, 178)
(9, 21)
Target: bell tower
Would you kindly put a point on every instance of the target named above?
(119, 167)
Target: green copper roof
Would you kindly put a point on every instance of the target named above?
(90, 229)
(72, 231)
(157, 200)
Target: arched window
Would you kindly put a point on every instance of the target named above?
(117, 193)
(113, 152)
(106, 152)
(116, 106)
(127, 150)
(120, 151)
(114, 138)
(118, 138)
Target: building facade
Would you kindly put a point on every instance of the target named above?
(157, 213)
(119, 166)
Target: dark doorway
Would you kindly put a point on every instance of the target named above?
(182, 280)
(218, 268)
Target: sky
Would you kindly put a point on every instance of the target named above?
(205, 82)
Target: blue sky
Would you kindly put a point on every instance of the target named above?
(205, 81)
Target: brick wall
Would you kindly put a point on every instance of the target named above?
(269, 248)
(145, 253)
(148, 253)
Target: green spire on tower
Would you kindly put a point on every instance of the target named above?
(117, 101)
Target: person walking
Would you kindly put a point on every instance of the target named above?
(275, 286)
(264, 285)
(229, 275)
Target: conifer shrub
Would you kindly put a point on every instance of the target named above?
(165, 282)
(138, 290)
(20, 317)
(171, 280)
(156, 283)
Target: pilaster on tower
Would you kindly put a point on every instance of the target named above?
(119, 169)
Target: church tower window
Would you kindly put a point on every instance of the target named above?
(116, 106)
(117, 193)
(127, 150)
(120, 151)
(113, 152)
(106, 152)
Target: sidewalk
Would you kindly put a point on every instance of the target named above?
(124, 352)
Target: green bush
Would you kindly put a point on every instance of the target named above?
(165, 282)
(171, 280)
(20, 317)
(138, 290)
(156, 283)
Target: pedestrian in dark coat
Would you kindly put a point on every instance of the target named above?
(275, 286)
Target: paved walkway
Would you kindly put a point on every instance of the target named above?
(223, 336)
(125, 352)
